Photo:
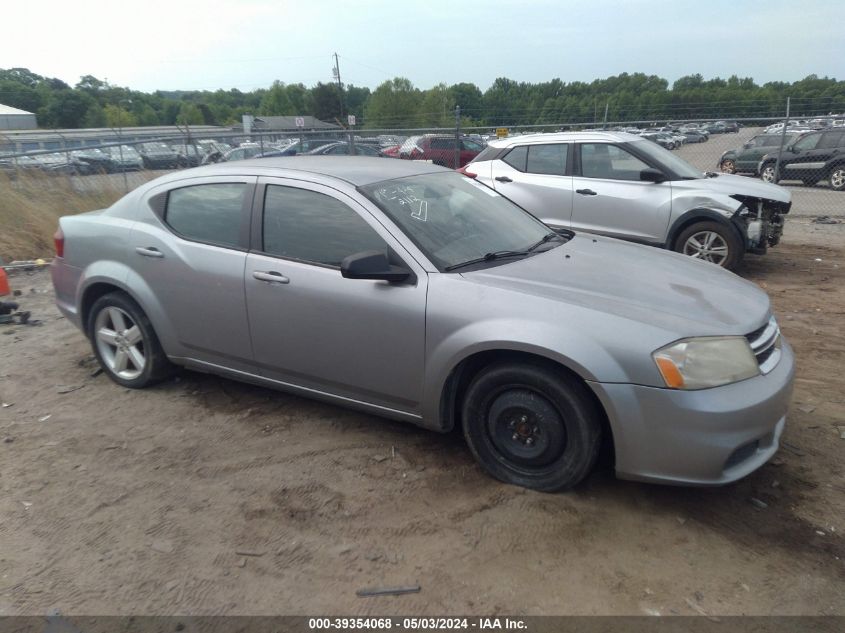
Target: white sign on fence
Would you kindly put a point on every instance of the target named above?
(351, 119)
(300, 121)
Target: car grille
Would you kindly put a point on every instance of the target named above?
(765, 343)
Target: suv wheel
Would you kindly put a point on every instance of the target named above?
(124, 342)
(728, 166)
(530, 426)
(768, 174)
(837, 178)
(711, 242)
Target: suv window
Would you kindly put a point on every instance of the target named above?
(601, 160)
(471, 146)
(808, 142)
(516, 157)
(207, 213)
(313, 227)
(830, 140)
(547, 159)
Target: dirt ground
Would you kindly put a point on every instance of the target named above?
(206, 496)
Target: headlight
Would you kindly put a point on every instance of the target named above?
(699, 363)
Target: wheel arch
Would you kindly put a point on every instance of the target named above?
(134, 286)
(459, 379)
(699, 215)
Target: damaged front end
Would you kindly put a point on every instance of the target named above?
(761, 221)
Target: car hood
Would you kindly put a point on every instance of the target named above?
(730, 185)
(680, 295)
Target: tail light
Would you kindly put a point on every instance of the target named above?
(469, 174)
(416, 153)
(59, 241)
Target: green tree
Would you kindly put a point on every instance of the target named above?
(276, 102)
(115, 116)
(189, 114)
(394, 104)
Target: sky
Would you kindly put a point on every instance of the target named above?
(246, 44)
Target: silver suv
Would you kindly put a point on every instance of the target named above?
(624, 186)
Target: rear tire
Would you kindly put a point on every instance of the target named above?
(837, 178)
(125, 343)
(712, 242)
(767, 174)
(529, 425)
(728, 166)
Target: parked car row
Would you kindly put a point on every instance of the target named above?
(810, 157)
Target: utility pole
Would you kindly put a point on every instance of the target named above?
(336, 73)
(457, 137)
(782, 141)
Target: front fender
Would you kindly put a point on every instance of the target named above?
(581, 355)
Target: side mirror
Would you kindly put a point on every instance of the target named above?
(650, 174)
(372, 265)
(746, 145)
(793, 149)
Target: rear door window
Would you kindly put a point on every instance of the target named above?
(829, 140)
(547, 159)
(211, 213)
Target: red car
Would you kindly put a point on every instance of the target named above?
(439, 149)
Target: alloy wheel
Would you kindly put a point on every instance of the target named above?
(120, 343)
(707, 245)
(728, 166)
(768, 174)
(837, 178)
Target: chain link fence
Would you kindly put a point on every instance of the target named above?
(805, 155)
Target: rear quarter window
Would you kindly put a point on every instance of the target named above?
(207, 213)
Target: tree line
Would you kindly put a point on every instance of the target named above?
(397, 103)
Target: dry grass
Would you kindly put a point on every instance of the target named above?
(32, 202)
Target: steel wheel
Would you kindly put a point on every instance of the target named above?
(707, 245)
(728, 166)
(768, 174)
(837, 179)
(525, 428)
(120, 343)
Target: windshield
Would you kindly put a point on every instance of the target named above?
(667, 159)
(454, 219)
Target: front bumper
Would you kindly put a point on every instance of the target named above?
(705, 437)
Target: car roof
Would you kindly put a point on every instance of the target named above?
(356, 170)
(561, 137)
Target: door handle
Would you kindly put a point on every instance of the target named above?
(150, 251)
(272, 276)
(503, 179)
(586, 192)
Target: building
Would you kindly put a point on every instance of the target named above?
(284, 124)
(14, 119)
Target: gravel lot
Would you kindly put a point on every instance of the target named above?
(206, 496)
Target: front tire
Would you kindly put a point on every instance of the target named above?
(711, 242)
(529, 425)
(125, 343)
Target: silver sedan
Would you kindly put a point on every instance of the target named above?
(414, 293)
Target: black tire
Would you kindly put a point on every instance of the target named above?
(555, 422)
(726, 233)
(156, 366)
(837, 178)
